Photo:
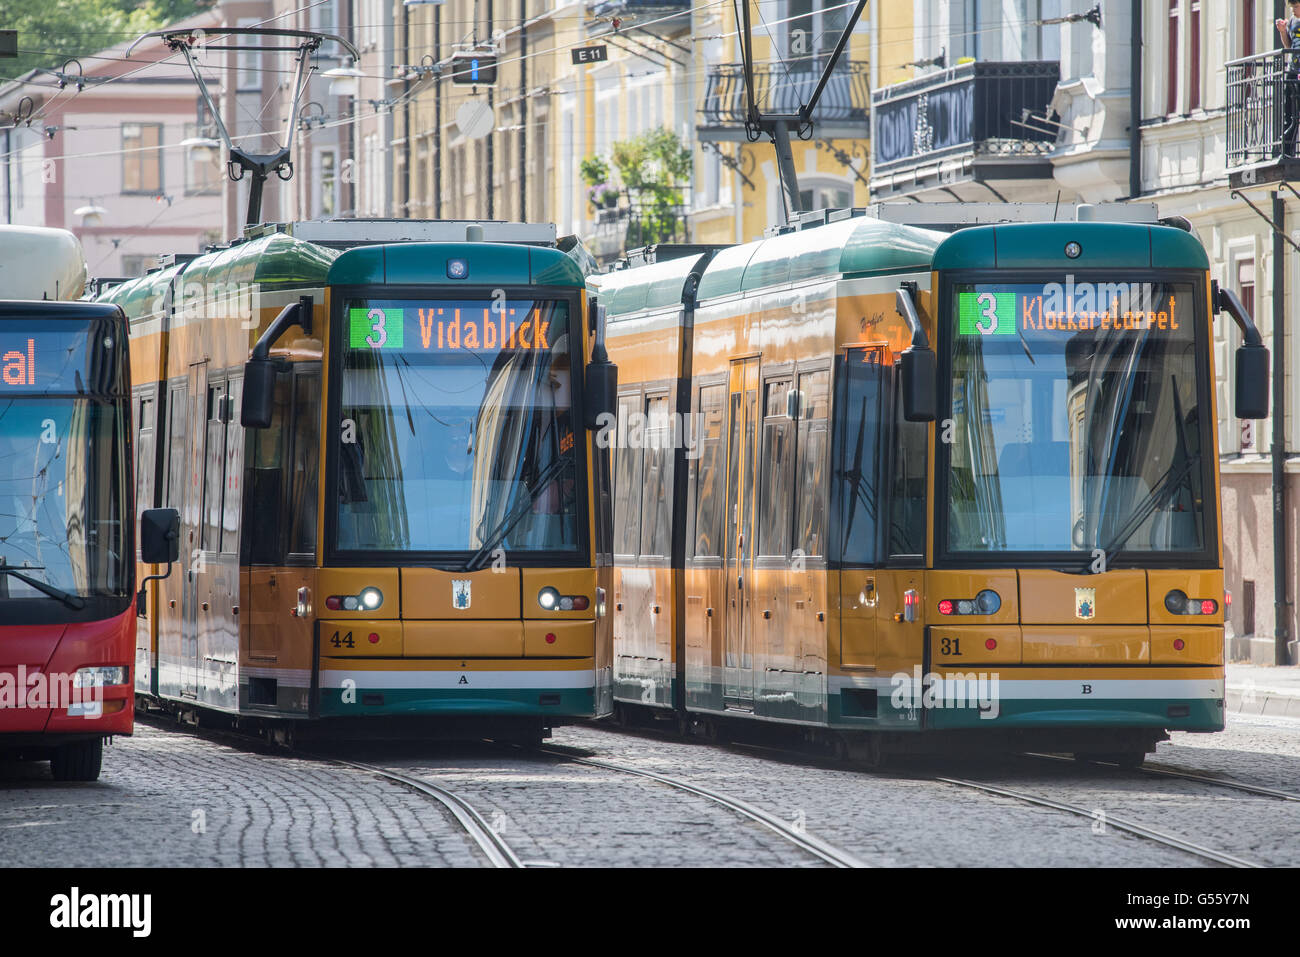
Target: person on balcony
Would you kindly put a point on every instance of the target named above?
(1289, 30)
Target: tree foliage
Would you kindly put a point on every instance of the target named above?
(655, 168)
(51, 31)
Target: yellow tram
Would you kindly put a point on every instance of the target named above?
(873, 480)
(376, 434)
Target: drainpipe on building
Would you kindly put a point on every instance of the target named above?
(490, 146)
(1135, 104)
(1281, 614)
(523, 111)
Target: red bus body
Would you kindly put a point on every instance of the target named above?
(46, 639)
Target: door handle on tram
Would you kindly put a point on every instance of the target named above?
(740, 582)
(868, 596)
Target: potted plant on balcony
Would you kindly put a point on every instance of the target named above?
(655, 166)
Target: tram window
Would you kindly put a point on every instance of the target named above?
(709, 470)
(176, 425)
(264, 484)
(907, 484)
(304, 487)
(144, 454)
(627, 481)
(810, 517)
(658, 485)
(234, 468)
(216, 454)
(856, 467)
(777, 458)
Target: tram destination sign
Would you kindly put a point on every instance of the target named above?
(1070, 307)
(452, 327)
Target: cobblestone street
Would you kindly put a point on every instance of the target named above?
(173, 797)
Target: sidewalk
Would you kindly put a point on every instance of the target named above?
(1259, 689)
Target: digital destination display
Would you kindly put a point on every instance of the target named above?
(59, 356)
(452, 327)
(1069, 307)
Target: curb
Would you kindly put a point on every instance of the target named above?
(1262, 701)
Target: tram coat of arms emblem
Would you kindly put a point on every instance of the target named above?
(1085, 603)
(460, 593)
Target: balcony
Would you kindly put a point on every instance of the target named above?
(1261, 148)
(842, 112)
(976, 131)
(640, 10)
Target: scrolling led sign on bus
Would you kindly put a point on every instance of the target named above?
(1072, 307)
(450, 328)
(56, 357)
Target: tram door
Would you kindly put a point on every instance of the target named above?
(191, 526)
(738, 564)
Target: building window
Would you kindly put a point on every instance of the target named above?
(137, 264)
(142, 158)
(826, 197)
(1171, 105)
(202, 164)
(1246, 292)
(1194, 58)
(327, 180)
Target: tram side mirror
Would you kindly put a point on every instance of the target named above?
(1252, 382)
(601, 392)
(160, 536)
(920, 385)
(259, 393)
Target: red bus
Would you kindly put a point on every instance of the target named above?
(67, 534)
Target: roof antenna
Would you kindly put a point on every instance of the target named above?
(1057, 206)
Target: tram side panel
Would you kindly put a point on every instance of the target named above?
(646, 349)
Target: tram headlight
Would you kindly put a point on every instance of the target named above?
(371, 598)
(548, 598)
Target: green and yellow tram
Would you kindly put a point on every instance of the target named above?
(875, 480)
(389, 493)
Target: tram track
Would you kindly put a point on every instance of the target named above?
(1168, 772)
(1109, 820)
(498, 852)
(493, 846)
(823, 851)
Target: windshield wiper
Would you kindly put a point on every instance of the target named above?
(72, 601)
(1155, 499)
(519, 511)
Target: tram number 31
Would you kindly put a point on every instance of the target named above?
(344, 642)
(950, 646)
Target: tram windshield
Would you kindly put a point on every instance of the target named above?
(458, 432)
(1078, 424)
(63, 474)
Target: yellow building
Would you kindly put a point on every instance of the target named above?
(574, 80)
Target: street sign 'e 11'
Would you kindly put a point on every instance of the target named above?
(470, 69)
(593, 54)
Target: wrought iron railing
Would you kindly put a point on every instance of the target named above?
(990, 109)
(784, 88)
(1262, 108)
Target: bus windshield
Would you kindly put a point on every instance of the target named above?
(63, 472)
(457, 428)
(1077, 420)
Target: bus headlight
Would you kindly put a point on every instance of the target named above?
(371, 598)
(99, 675)
(548, 598)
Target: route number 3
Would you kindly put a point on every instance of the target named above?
(990, 307)
(378, 334)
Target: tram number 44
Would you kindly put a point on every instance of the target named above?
(344, 642)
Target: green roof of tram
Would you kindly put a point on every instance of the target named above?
(860, 246)
(656, 286)
(490, 264)
(1042, 246)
